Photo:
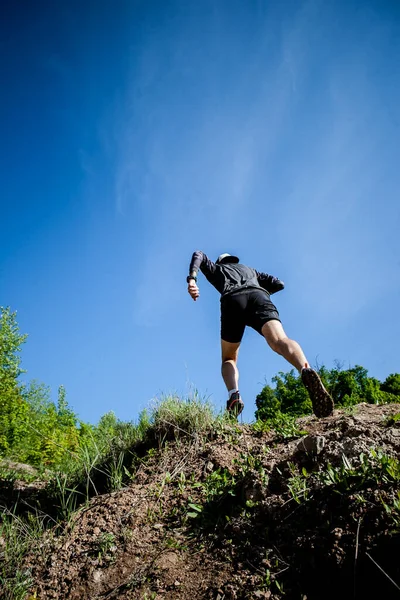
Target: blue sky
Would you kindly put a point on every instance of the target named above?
(135, 132)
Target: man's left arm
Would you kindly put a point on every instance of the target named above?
(270, 283)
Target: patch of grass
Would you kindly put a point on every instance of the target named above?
(174, 417)
(65, 497)
(18, 537)
(8, 475)
(349, 409)
(248, 463)
(216, 487)
(105, 545)
(175, 544)
(393, 511)
(375, 466)
(392, 420)
(284, 425)
(269, 579)
(227, 428)
(214, 496)
(15, 586)
(298, 484)
(101, 464)
(219, 484)
(211, 496)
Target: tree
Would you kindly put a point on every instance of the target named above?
(51, 432)
(289, 396)
(391, 385)
(12, 406)
(32, 428)
(347, 386)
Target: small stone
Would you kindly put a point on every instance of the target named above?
(97, 576)
(313, 444)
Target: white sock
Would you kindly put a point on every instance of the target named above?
(232, 392)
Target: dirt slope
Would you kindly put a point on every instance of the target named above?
(242, 514)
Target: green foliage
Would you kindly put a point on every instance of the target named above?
(65, 498)
(289, 396)
(298, 484)
(11, 341)
(214, 495)
(51, 431)
(12, 407)
(104, 546)
(219, 484)
(375, 466)
(113, 434)
(391, 385)
(392, 420)
(32, 428)
(48, 435)
(18, 537)
(284, 425)
(393, 511)
(347, 386)
(214, 490)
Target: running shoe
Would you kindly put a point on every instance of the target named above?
(235, 404)
(321, 399)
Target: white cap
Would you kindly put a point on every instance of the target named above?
(226, 258)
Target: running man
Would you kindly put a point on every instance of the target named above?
(245, 301)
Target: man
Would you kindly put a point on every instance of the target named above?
(245, 301)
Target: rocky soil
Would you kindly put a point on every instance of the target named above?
(241, 514)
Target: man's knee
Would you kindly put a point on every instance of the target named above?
(230, 352)
(228, 360)
(277, 344)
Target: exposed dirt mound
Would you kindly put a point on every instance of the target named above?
(244, 515)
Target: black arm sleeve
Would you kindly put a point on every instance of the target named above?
(270, 283)
(202, 262)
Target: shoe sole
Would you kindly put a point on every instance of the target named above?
(235, 410)
(321, 400)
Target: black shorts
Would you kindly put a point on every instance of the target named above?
(253, 308)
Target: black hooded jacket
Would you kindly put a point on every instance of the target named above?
(232, 278)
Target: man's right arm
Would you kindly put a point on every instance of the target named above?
(202, 262)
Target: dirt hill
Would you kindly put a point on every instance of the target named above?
(308, 513)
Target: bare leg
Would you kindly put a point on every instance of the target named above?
(289, 349)
(281, 344)
(229, 370)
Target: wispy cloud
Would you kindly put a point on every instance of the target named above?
(197, 157)
(192, 170)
